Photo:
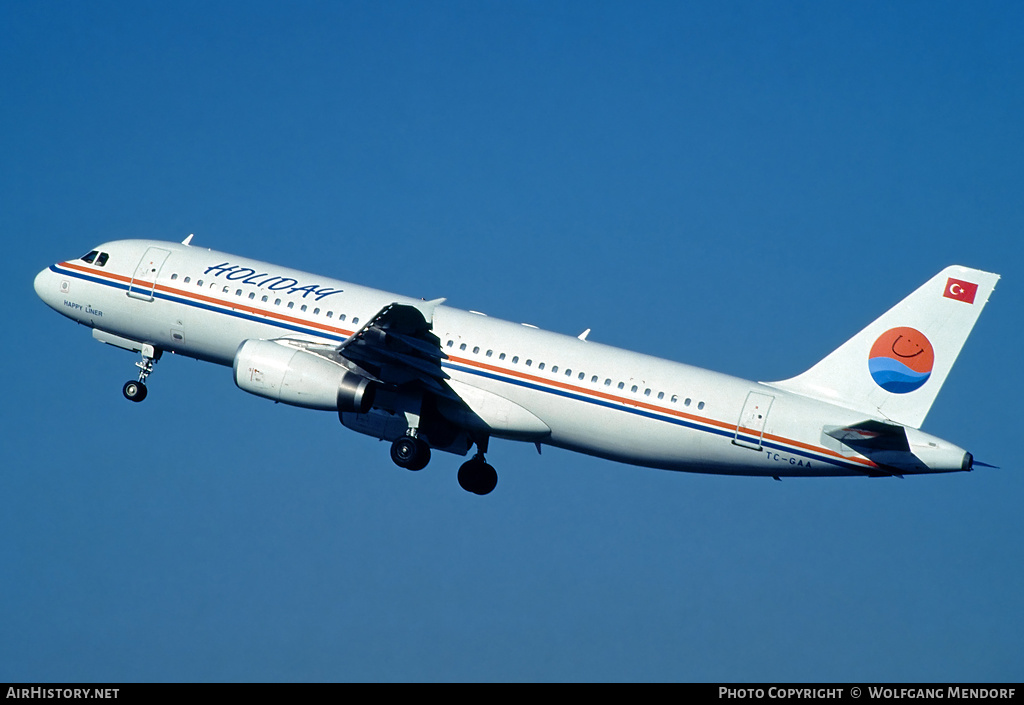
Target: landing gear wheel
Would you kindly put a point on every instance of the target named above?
(410, 453)
(477, 476)
(134, 391)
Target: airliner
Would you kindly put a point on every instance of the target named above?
(428, 377)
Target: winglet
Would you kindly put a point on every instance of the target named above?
(427, 309)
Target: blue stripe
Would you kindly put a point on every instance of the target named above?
(621, 406)
(86, 277)
(615, 406)
(200, 305)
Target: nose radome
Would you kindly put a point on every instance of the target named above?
(44, 286)
(40, 283)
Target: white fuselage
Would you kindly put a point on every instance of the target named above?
(593, 398)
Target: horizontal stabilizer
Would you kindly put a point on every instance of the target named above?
(872, 436)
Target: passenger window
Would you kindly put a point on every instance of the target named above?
(501, 356)
(529, 363)
(174, 276)
(476, 349)
(238, 292)
(450, 343)
(265, 299)
(700, 405)
(199, 283)
(647, 392)
(489, 352)
(515, 359)
(188, 280)
(303, 309)
(540, 366)
(316, 312)
(633, 389)
(355, 321)
(291, 304)
(277, 302)
(608, 382)
(687, 402)
(622, 385)
(462, 347)
(252, 295)
(661, 395)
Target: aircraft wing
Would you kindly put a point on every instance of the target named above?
(397, 347)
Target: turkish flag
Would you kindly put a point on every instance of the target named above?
(960, 290)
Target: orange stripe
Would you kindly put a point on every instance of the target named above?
(625, 401)
(163, 288)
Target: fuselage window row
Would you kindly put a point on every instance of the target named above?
(101, 259)
(96, 256)
(634, 389)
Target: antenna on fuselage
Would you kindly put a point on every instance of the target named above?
(188, 240)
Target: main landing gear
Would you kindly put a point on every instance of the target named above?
(410, 453)
(136, 390)
(475, 475)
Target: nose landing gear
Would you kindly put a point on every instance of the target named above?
(134, 390)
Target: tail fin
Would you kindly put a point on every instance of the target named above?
(894, 368)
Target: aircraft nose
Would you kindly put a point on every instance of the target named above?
(40, 282)
(44, 286)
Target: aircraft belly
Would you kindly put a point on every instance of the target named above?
(624, 437)
(644, 436)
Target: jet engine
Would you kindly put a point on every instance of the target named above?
(295, 376)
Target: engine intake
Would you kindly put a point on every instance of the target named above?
(293, 376)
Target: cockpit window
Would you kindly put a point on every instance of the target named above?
(96, 257)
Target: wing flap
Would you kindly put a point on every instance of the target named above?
(398, 347)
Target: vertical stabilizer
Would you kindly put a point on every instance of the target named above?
(895, 367)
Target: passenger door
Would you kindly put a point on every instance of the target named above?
(144, 280)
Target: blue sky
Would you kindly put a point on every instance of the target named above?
(736, 185)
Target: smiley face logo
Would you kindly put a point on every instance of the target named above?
(901, 360)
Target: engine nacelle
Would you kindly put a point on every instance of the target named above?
(293, 376)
